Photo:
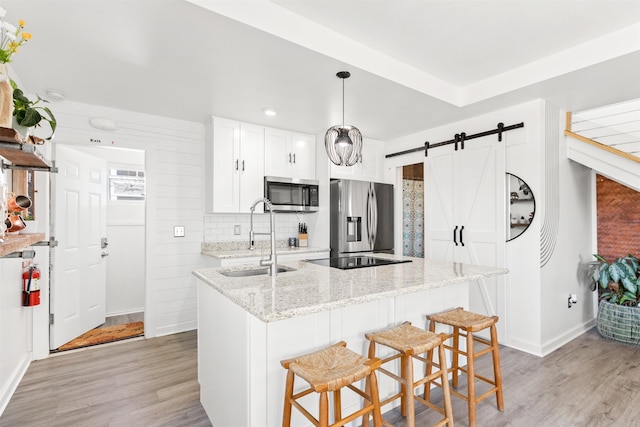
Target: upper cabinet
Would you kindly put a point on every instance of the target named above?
(289, 154)
(234, 166)
(370, 166)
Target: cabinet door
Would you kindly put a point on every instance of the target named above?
(251, 165)
(368, 168)
(277, 152)
(226, 165)
(303, 148)
(371, 161)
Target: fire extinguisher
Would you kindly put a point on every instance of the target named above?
(31, 287)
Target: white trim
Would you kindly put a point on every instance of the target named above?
(14, 382)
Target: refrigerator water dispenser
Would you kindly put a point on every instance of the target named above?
(354, 229)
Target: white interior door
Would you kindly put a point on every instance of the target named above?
(78, 286)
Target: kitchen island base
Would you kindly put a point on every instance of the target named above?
(241, 380)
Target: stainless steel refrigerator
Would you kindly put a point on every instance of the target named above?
(361, 217)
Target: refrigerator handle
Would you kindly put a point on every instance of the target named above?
(369, 219)
(374, 211)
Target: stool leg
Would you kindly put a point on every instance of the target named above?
(288, 393)
(324, 410)
(496, 368)
(454, 357)
(408, 390)
(368, 385)
(337, 406)
(372, 382)
(446, 394)
(471, 381)
(403, 385)
(429, 368)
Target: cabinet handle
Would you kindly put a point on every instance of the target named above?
(289, 157)
(461, 242)
(294, 157)
(236, 164)
(243, 166)
(454, 235)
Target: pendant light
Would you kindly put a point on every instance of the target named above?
(342, 142)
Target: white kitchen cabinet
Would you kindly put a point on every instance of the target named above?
(465, 214)
(289, 154)
(234, 166)
(369, 167)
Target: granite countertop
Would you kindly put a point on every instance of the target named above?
(313, 288)
(239, 249)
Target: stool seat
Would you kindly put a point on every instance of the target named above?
(406, 338)
(409, 342)
(464, 319)
(330, 368)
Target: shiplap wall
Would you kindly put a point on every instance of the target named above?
(174, 151)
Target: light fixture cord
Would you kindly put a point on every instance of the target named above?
(343, 102)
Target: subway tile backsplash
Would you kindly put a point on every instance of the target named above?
(220, 227)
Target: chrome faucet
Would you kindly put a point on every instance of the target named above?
(272, 260)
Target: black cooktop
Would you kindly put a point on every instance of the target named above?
(356, 261)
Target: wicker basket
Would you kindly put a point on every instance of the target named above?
(619, 323)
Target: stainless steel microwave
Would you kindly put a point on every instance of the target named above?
(291, 195)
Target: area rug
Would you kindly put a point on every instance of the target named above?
(104, 335)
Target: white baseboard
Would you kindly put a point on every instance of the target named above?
(122, 313)
(12, 383)
(557, 342)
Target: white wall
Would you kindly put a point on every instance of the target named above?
(565, 271)
(19, 342)
(173, 160)
(537, 319)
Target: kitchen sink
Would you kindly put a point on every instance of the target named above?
(253, 271)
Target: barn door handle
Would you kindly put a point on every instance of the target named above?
(454, 235)
(461, 242)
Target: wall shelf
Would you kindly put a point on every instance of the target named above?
(22, 152)
(17, 242)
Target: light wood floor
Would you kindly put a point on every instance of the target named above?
(150, 382)
(588, 382)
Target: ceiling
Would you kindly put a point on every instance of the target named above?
(414, 64)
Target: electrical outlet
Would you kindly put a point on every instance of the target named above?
(178, 231)
(236, 229)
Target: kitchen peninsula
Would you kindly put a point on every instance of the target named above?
(246, 325)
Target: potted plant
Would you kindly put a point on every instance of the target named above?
(28, 114)
(31, 224)
(619, 295)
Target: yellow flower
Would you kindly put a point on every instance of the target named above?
(26, 36)
(21, 22)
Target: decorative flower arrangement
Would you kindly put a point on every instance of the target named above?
(11, 38)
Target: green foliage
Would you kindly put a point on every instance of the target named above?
(619, 281)
(28, 113)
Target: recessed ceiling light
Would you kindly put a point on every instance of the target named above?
(270, 111)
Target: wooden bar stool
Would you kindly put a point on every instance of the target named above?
(409, 342)
(331, 369)
(465, 324)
